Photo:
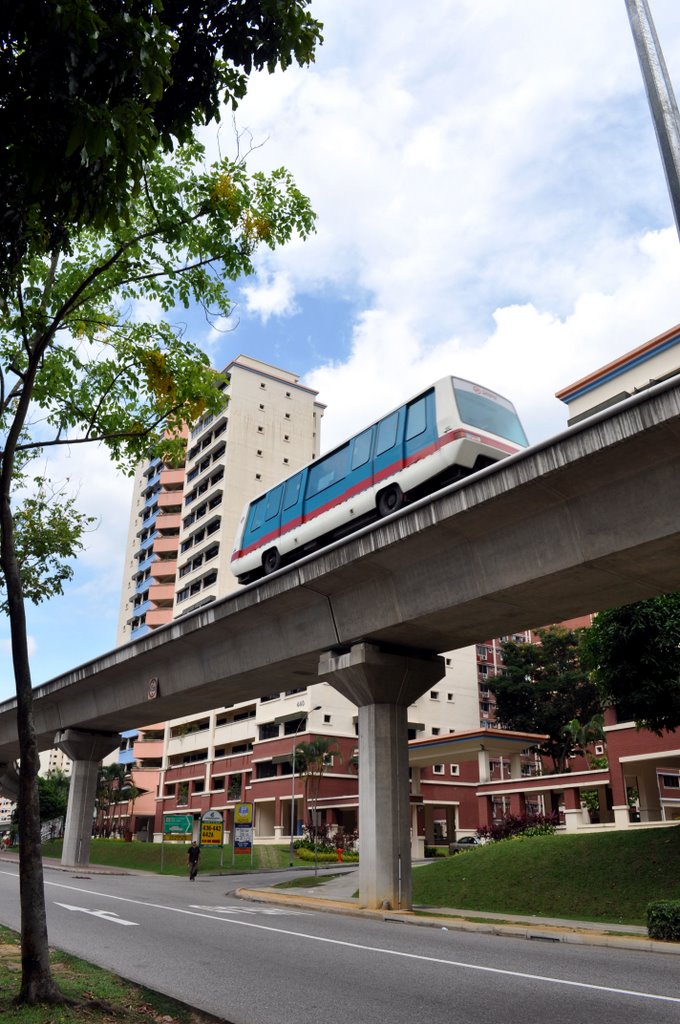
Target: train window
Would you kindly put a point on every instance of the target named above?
(274, 502)
(257, 515)
(328, 471)
(387, 433)
(361, 452)
(292, 491)
(416, 418)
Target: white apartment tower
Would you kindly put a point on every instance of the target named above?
(269, 428)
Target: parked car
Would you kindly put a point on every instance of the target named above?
(465, 843)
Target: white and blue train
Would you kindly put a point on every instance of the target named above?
(447, 432)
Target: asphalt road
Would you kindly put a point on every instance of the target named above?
(255, 964)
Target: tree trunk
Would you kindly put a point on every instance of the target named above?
(37, 984)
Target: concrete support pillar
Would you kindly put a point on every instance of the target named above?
(573, 813)
(85, 749)
(604, 800)
(518, 803)
(516, 766)
(383, 684)
(9, 781)
(417, 841)
(484, 765)
(484, 812)
(648, 789)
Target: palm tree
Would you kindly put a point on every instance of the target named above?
(313, 759)
(583, 736)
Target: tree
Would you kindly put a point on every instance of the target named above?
(76, 367)
(313, 759)
(585, 735)
(53, 796)
(542, 687)
(91, 89)
(633, 654)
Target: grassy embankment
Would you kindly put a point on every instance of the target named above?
(608, 877)
(147, 856)
(81, 981)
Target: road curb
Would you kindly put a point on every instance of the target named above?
(546, 933)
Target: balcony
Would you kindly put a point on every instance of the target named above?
(165, 568)
(165, 545)
(172, 479)
(167, 520)
(146, 544)
(144, 585)
(147, 523)
(159, 616)
(146, 563)
(169, 499)
(141, 631)
(140, 609)
(153, 481)
(162, 592)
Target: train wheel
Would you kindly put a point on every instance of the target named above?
(390, 500)
(271, 561)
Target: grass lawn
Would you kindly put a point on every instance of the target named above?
(80, 980)
(147, 856)
(607, 877)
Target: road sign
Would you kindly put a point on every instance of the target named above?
(243, 814)
(211, 829)
(178, 824)
(243, 830)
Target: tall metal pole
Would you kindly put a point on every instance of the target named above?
(660, 94)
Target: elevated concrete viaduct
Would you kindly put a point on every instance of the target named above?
(584, 521)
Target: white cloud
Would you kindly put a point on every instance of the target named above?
(272, 296)
(528, 354)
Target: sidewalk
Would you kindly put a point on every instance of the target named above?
(337, 896)
(51, 863)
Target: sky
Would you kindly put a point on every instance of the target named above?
(491, 203)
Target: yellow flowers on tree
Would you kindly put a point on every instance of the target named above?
(77, 367)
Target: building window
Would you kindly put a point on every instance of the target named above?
(327, 719)
(199, 786)
(269, 731)
(437, 769)
(449, 697)
(670, 781)
(435, 731)
(218, 783)
(260, 430)
(454, 769)
(263, 385)
(434, 694)
(183, 793)
(265, 770)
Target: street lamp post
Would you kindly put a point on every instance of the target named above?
(303, 721)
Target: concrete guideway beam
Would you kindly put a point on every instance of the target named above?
(85, 749)
(383, 684)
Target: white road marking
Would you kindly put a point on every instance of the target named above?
(105, 915)
(271, 911)
(630, 993)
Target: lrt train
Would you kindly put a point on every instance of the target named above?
(452, 429)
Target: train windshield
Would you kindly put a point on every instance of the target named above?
(485, 410)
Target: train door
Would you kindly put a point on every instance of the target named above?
(388, 460)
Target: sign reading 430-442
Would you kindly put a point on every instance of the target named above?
(212, 828)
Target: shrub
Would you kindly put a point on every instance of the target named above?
(520, 824)
(663, 920)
